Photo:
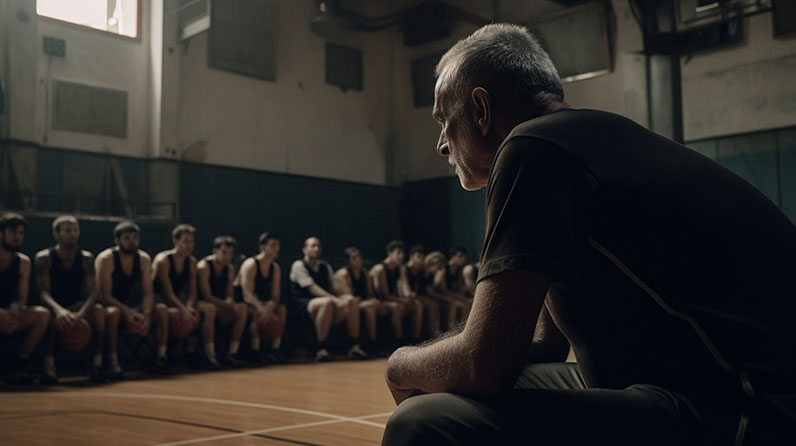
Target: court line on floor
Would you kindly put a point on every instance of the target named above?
(270, 430)
(192, 399)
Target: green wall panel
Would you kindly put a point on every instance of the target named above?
(786, 143)
(243, 203)
(754, 158)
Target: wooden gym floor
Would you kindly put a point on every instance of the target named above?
(336, 403)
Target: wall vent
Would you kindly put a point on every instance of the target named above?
(89, 109)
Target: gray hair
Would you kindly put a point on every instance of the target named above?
(507, 60)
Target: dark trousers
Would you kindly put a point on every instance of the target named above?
(550, 405)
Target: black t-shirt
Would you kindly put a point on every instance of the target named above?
(66, 284)
(668, 269)
(9, 282)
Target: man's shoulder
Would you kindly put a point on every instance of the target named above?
(43, 255)
(87, 255)
(144, 256)
(23, 258)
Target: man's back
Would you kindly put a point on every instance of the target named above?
(677, 272)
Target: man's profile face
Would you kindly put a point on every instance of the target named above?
(397, 255)
(127, 242)
(355, 260)
(312, 248)
(185, 244)
(67, 234)
(432, 267)
(417, 258)
(12, 238)
(271, 248)
(460, 140)
(224, 254)
(459, 258)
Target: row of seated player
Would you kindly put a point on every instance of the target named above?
(176, 296)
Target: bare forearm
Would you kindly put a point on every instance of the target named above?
(443, 366)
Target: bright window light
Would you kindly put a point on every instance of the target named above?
(114, 16)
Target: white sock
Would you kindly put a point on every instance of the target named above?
(114, 360)
(210, 350)
(162, 351)
(277, 343)
(256, 344)
(233, 347)
(97, 361)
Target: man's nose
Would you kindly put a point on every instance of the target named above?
(442, 145)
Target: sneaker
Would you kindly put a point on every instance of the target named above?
(97, 375)
(322, 355)
(114, 373)
(161, 366)
(19, 372)
(274, 357)
(356, 352)
(48, 378)
(211, 363)
(232, 361)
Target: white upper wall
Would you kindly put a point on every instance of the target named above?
(93, 58)
(298, 124)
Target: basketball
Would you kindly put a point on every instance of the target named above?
(273, 329)
(179, 327)
(76, 338)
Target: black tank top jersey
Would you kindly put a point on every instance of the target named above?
(359, 286)
(218, 282)
(9, 282)
(392, 279)
(65, 284)
(453, 280)
(320, 277)
(415, 280)
(262, 285)
(177, 280)
(122, 283)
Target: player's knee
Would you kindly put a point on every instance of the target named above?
(240, 310)
(42, 315)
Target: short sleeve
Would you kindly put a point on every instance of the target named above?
(536, 210)
(300, 275)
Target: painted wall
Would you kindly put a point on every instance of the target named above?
(742, 89)
(298, 124)
(93, 58)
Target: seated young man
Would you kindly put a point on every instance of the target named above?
(14, 314)
(312, 292)
(416, 278)
(454, 307)
(454, 274)
(261, 283)
(353, 279)
(66, 282)
(124, 283)
(470, 276)
(174, 273)
(216, 275)
(391, 285)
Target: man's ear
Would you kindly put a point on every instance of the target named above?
(482, 110)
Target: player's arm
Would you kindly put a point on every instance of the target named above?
(147, 293)
(162, 269)
(192, 295)
(404, 290)
(368, 284)
(247, 274)
(89, 281)
(230, 291)
(22, 288)
(469, 277)
(343, 281)
(487, 356)
(203, 277)
(103, 265)
(276, 284)
(42, 264)
(438, 288)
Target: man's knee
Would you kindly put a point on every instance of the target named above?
(427, 420)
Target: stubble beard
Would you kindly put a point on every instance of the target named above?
(10, 248)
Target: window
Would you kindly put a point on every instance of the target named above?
(114, 16)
